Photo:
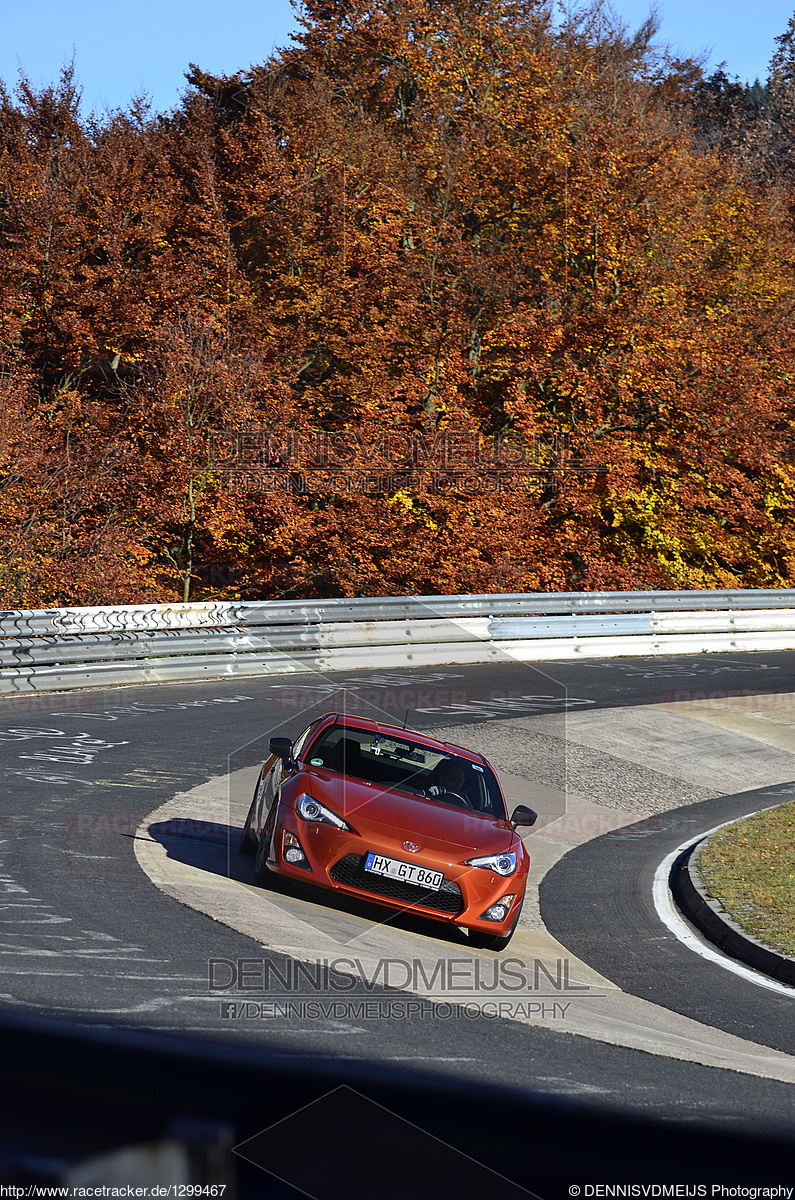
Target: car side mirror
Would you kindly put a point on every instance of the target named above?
(522, 815)
(282, 747)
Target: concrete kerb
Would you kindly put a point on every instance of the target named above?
(710, 919)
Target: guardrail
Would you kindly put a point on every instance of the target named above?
(61, 649)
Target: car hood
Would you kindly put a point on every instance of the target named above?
(371, 808)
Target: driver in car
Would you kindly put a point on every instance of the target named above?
(447, 776)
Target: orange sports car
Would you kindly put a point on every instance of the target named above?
(376, 812)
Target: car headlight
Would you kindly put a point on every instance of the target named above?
(503, 864)
(313, 810)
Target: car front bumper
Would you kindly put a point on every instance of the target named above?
(334, 858)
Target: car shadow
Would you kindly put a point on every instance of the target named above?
(213, 847)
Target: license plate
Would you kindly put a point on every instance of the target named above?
(409, 872)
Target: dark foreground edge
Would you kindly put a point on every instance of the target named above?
(278, 1126)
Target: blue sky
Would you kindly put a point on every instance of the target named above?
(121, 47)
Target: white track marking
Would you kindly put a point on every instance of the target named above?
(671, 917)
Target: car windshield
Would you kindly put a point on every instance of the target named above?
(406, 766)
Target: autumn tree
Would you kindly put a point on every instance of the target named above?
(493, 224)
(418, 221)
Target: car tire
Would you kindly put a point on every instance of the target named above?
(248, 843)
(488, 941)
(262, 876)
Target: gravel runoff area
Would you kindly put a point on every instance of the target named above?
(749, 867)
(545, 751)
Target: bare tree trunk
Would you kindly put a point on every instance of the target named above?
(189, 543)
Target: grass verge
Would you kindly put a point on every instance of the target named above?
(750, 868)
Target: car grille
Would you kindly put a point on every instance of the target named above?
(350, 871)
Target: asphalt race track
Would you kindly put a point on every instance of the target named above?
(598, 902)
(87, 937)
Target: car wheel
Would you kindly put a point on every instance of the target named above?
(248, 843)
(488, 941)
(262, 875)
